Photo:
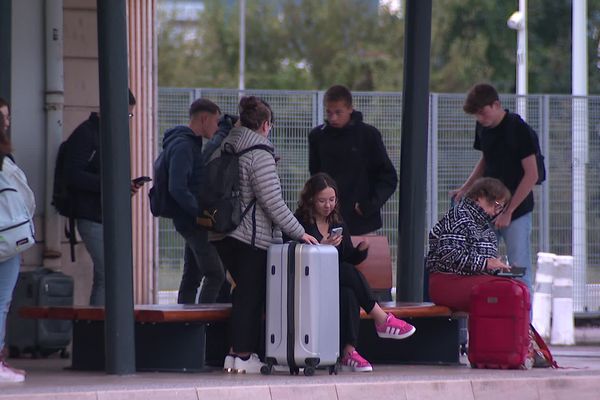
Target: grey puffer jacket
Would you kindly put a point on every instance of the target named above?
(259, 180)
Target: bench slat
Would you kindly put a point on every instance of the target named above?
(209, 312)
(183, 313)
(412, 310)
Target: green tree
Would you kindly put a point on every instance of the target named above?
(311, 44)
(347, 42)
(294, 44)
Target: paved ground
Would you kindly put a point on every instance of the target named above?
(48, 379)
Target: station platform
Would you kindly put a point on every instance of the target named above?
(49, 379)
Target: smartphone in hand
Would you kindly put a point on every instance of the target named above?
(514, 272)
(140, 180)
(335, 232)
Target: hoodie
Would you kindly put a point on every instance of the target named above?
(183, 154)
(356, 158)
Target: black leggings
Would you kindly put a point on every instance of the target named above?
(247, 266)
(355, 293)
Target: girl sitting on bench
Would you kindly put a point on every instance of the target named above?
(318, 213)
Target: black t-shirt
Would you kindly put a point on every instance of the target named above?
(503, 147)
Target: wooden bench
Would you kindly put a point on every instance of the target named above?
(188, 337)
(377, 267)
(167, 337)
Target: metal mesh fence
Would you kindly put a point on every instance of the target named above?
(569, 158)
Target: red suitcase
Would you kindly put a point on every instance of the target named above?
(499, 325)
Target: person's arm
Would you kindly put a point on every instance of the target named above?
(181, 161)
(530, 177)
(81, 151)
(225, 125)
(356, 255)
(314, 163)
(477, 173)
(383, 175)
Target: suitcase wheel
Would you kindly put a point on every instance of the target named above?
(294, 370)
(333, 369)
(64, 353)
(45, 353)
(266, 369)
(309, 371)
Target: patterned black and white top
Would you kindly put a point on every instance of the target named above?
(462, 241)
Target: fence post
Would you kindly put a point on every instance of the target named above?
(432, 166)
(563, 326)
(542, 296)
(544, 207)
(318, 108)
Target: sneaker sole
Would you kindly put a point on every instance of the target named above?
(243, 371)
(347, 368)
(385, 335)
(16, 379)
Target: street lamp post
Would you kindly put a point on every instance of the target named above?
(518, 22)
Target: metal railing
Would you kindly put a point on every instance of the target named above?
(568, 128)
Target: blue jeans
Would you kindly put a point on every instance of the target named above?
(517, 238)
(92, 234)
(9, 272)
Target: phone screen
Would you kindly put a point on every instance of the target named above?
(336, 232)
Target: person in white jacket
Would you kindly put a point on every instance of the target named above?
(9, 268)
(244, 250)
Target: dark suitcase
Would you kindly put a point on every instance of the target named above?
(302, 328)
(40, 337)
(499, 325)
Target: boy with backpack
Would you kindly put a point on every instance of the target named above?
(510, 153)
(77, 193)
(176, 195)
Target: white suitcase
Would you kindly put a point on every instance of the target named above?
(302, 308)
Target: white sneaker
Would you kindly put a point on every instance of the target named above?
(249, 366)
(229, 363)
(7, 374)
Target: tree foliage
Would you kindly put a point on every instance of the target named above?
(311, 44)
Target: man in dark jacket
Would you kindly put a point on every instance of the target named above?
(82, 164)
(182, 148)
(353, 154)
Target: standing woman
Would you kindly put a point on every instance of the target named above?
(318, 211)
(9, 269)
(244, 250)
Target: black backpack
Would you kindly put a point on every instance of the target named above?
(62, 198)
(539, 157)
(159, 192)
(220, 196)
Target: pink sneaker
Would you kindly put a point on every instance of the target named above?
(355, 363)
(394, 328)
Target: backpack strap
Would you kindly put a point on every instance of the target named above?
(269, 149)
(72, 239)
(543, 347)
(253, 241)
(253, 202)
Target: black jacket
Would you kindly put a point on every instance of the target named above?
(82, 163)
(183, 155)
(356, 158)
